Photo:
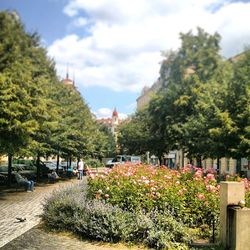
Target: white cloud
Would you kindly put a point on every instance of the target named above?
(107, 113)
(122, 48)
(80, 22)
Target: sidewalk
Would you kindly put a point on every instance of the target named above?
(22, 204)
(30, 235)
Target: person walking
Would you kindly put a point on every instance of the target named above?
(80, 169)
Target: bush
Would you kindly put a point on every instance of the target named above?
(61, 208)
(93, 163)
(189, 194)
(70, 209)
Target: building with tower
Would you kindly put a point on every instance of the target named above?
(112, 123)
(69, 82)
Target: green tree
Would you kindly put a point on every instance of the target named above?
(183, 73)
(238, 106)
(18, 95)
(134, 135)
(105, 142)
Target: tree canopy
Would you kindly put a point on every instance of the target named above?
(39, 115)
(202, 106)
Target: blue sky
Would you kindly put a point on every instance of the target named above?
(113, 47)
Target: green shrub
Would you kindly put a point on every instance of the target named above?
(93, 163)
(191, 195)
(61, 207)
(161, 240)
(71, 210)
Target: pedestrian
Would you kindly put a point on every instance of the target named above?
(80, 169)
(28, 184)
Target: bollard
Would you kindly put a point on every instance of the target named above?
(231, 193)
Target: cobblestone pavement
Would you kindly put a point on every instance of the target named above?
(30, 234)
(38, 238)
(23, 204)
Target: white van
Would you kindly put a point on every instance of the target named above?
(121, 159)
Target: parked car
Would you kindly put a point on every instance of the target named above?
(121, 159)
(52, 165)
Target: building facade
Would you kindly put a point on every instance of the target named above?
(147, 94)
(112, 123)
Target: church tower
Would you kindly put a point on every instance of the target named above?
(115, 123)
(67, 81)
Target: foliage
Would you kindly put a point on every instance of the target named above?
(93, 163)
(70, 209)
(202, 106)
(39, 116)
(238, 105)
(134, 136)
(106, 144)
(186, 194)
(17, 94)
(174, 114)
(190, 195)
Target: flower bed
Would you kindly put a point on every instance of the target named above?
(188, 194)
(71, 210)
(156, 206)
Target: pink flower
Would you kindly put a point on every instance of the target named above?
(201, 196)
(167, 177)
(210, 188)
(180, 192)
(92, 176)
(210, 177)
(198, 174)
(106, 196)
(206, 203)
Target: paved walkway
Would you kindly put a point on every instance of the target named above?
(23, 204)
(30, 235)
(40, 239)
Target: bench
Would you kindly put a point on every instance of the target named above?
(19, 186)
(21, 183)
(53, 177)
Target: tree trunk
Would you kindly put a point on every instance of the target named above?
(67, 164)
(9, 169)
(38, 168)
(182, 159)
(160, 159)
(218, 165)
(238, 165)
(57, 163)
(198, 159)
(70, 160)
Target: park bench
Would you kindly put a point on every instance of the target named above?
(53, 178)
(21, 184)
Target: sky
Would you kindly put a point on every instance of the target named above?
(113, 48)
